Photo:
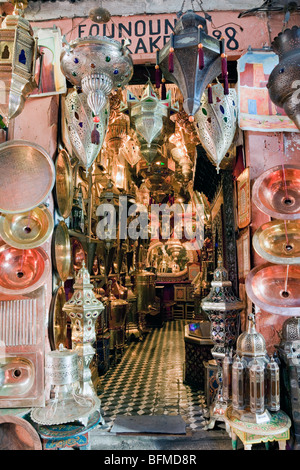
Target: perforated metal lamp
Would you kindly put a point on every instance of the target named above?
(19, 52)
(192, 59)
(223, 309)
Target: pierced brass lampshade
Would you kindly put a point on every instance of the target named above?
(28, 229)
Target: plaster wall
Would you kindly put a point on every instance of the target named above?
(263, 151)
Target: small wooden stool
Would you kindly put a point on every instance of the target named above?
(70, 435)
(278, 429)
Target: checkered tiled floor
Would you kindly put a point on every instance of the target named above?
(149, 380)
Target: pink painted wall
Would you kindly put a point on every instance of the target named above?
(264, 151)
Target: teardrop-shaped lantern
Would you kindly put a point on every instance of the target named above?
(216, 122)
(79, 121)
(150, 117)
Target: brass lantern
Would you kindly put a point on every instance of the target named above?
(83, 309)
(18, 54)
(150, 117)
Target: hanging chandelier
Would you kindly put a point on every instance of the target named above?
(192, 59)
(97, 65)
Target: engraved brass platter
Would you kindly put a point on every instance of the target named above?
(58, 320)
(62, 251)
(64, 184)
(27, 176)
(278, 241)
(27, 229)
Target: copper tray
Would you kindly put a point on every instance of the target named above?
(64, 189)
(58, 320)
(62, 251)
(27, 176)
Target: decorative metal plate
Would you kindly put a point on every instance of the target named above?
(27, 176)
(64, 189)
(58, 320)
(62, 251)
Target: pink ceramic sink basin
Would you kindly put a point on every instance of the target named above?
(275, 288)
(22, 271)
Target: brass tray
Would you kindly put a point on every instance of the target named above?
(62, 256)
(64, 189)
(27, 176)
(58, 320)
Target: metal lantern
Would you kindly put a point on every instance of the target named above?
(18, 54)
(192, 59)
(97, 65)
(223, 309)
(83, 309)
(284, 79)
(65, 405)
(79, 123)
(150, 117)
(216, 122)
(259, 375)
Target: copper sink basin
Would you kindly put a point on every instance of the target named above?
(28, 229)
(277, 192)
(278, 241)
(275, 288)
(22, 271)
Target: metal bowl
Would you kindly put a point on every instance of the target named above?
(27, 229)
(27, 176)
(277, 192)
(22, 271)
(275, 288)
(278, 241)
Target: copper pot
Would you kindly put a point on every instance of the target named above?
(145, 290)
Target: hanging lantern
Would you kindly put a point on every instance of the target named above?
(131, 151)
(18, 54)
(216, 123)
(223, 309)
(192, 59)
(79, 121)
(83, 309)
(284, 79)
(150, 117)
(117, 134)
(97, 65)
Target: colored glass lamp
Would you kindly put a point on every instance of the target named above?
(216, 122)
(223, 309)
(192, 59)
(19, 51)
